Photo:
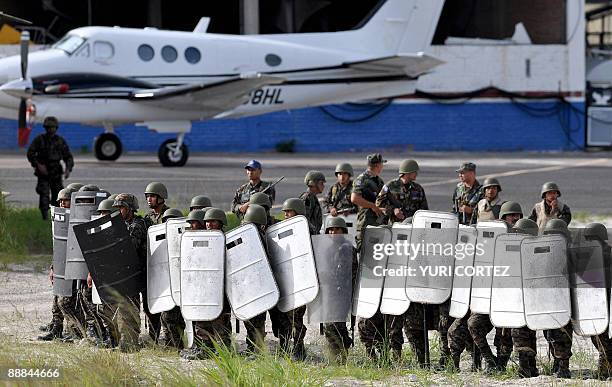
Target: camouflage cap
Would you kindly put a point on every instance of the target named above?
(466, 167)
(375, 158)
(50, 122)
(127, 200)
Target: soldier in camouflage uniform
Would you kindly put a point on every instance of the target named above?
(488, 207)
(240, 203)
(338, 199)
(315, 181)
(550, 207)
(156, 195)
(219, 330)
(44, 154)
(467, 193)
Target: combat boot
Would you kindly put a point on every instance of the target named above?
(476, 360)
(54, 333)
(604, 368)
(502, 362)
(490, 361)
(46, 327)
(525, 366)
(563, 371)
(534, 367)
(555, 366)
(456, 360)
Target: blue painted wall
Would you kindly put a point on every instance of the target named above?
(491, 126)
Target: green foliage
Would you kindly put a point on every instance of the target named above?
(23, 232)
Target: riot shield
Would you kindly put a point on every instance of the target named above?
(59, 228)
(588, 287)
(464, 263)
(351, 225)
(111, 257)
(174, 229)
(507, 309)
(480, 301)
(292, 261)
(249, 281)
(394, 300)
(431, 281)
(202, 274)
(334, 260)
(546, 293)
(159, 296)
(82, 206)
(372, 266)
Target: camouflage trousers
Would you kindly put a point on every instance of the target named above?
(92, 318)
(525, 342)
(295, 318)
(459, 338)
(219, 331)
(123, 320)
(256, 333)
(153, 321)
(438, 319)
(560, 341)
(603, 345)
(381, 330)
(338, 338)
(173, 325)
(282, 328)
(71, 311)
(479, 326)
(47, 187)
(57, 317)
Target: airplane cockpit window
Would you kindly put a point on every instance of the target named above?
(273, 60)
(169, 54)
(82, 52)
(103, 50)
(192, 55)
(145, 52)
(69, 43)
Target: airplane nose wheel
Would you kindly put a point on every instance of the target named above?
(107, 147)
(173, 152)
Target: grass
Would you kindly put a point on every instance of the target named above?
(23, 234)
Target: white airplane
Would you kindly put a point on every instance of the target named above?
(107, 76)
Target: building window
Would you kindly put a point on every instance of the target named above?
(145, 52)
(273, 60)
(169, 54)
(192, 55)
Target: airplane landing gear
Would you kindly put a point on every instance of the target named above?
(107, 147)
(173, 152)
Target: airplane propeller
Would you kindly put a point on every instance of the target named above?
(24, 43)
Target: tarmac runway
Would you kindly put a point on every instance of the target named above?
(585, 178)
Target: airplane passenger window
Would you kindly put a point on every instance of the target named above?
(273, 60)
(103, 50)
(192, 55)
(169, 53)
(145, 52)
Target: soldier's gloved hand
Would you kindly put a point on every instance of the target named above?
(333, 211)
(244, 207)
(66, 174)
(42, 169)
(89, 280)
(51, 275)
(398, 213)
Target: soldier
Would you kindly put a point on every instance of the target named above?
(44, 154)
(106, 207)
(315, 181)
(156, 195)
(171, 213)
(255, 184)
(336, 333)
(263, 200)
(293, 207)
(73, 187)
(338, 199)
(550, 207)
(199, 202)
(467, 193)
(196, 220)
(489, 206)
(603, 344)
(511, 212)
(219, 330)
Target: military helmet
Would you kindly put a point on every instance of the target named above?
(556, 226)
(344, 167)
(158, 189)
(216, 214)
(256, 214)
(113, 196)
(126, 199)
(64, 194)
(171, 213)
(596, 230)
(335, 221)
(89, 187)
(526, 226)
(107, 205)
(74, 186)
(197, 215)
(200, 201)
(550, 186)
(294, 204)
(491, 182)
(312, 177)
(408, 166)
(510, 208)
(262, 199)
(51, 121)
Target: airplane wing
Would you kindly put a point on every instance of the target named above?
(412, 65)
(214, 97)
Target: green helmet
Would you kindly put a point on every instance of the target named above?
(256, 214)
(64, 194)
(107, 205)
(510, 208)
(158, 189)
(197, 215)
(262, 199)
(171, 213)
(597, 230)
(550, 186)
(74, 186)
(294, 204)
(126, 199)
(200, 201)
(51, 121)
(89, 187)
(408, 166)
(556, 226)
(312, 177)
(526, 226)
(344, 167)
(216, 214)
(113, 196)
(491, 182)
(335, 221)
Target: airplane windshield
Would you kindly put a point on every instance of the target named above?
(69, 43)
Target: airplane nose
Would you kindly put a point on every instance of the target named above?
(20, 88)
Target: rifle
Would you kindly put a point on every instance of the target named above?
(273, 184)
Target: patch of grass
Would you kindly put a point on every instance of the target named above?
(586, 217)
(23, 233)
